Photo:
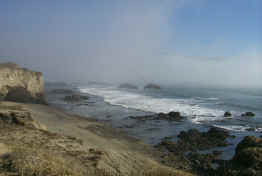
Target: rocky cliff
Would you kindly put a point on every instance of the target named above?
(20, 84)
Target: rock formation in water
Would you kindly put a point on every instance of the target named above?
(227, 114)
(248, 114)
(152, 86)
(171, 116)
(20, 84)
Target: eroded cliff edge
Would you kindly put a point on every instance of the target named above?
(20, 84)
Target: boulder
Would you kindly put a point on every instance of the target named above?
(248, 141)
(171, 116)
(20, 84)
(186, 150)
(247, 160)
(152, 86)
(19, 118)
(249, 153)
(248, 114)
(249, 156)
(218, 134)
(228, 114)
(127, 86)
(175, 115)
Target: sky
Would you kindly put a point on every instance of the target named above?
(187, 42)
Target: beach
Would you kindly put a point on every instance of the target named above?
(109, 149)
(70, 129)
(181, 140)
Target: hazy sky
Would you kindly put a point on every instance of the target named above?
(199, 42)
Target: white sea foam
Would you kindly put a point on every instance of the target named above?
(135, 100)
(209, 98)
(192, 108)
(233, 127)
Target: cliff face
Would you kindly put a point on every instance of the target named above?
(20, 84)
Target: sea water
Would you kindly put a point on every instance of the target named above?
(202, 107)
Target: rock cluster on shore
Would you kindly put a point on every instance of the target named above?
(194, 140)
(185, 153)
(70, 145)
(249, 156)
(171, 116)
(37, 140)
(247, 160)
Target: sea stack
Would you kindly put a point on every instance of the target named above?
(227, 114)
(248, 114)
(152, 86)
(20, 84)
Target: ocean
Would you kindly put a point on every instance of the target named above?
(202, 107)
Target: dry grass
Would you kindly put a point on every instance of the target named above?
(27, 160)
(163, 172)
(156, 172)
(37, 152)
(10, 107)
(32, 161)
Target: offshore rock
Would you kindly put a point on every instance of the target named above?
(152, 86)
(228, 114)
(248, 114)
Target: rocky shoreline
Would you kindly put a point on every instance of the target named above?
(39, 140)
(31, 131)
(67, 144)
(187, 154)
